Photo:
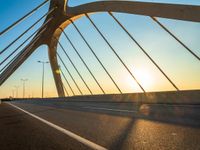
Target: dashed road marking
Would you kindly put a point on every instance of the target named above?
(111, 109)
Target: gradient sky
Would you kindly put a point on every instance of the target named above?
(178, 64)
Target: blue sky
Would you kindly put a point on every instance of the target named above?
(182, 68)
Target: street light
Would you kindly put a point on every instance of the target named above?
(16, 87)
(43, 62)
(24, 80)
(13, 93)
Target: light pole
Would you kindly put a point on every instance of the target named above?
(16, 87)
(24, 80)
(13, 93)
(43, 62)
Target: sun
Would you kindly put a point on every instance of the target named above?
(144, 77)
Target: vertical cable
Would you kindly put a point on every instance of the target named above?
(96, 57)
(65, 90)
(64, 86)
(83, 62)
(176, 38)
(74, 66)
(115, 52)
(67, 82)
(137, 43)
(69, 74)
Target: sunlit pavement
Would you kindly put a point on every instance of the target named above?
(110, 125)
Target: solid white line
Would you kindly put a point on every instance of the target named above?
(119, 110)
(69, 133)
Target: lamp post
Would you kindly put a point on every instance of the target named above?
(16, 87)
(43, 63)
(13, 93)
(24, 80)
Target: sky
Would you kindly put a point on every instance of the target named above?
(182, 68)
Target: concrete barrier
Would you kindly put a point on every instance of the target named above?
(168, 97)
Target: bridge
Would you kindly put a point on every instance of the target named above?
(104, 101)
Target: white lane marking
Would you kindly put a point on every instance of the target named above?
(119, 110)
(69, 133)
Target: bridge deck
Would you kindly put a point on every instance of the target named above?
(20, 131)
(113, 126)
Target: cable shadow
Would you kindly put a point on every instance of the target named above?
(177, 115)
(119, 141)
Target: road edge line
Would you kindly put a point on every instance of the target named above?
(67, 132)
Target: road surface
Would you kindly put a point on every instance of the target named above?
(58, 125)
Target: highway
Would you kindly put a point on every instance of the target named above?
(59, 125)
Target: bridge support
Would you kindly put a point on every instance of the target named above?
(55, 67)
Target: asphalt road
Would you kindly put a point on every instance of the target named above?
(101, 125)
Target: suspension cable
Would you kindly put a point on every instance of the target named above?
(21, 19)
(137, 43)
(97, 29)
(65, 89)
(96, 57)
(74, 66)
(10, 61)
(20, 53)
(18, 58)
(67, 82)
(26, 40)
(176, 38)
(69, 74)
(83, 61)
(27, 30)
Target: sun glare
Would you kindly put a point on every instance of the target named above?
(145, 77)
